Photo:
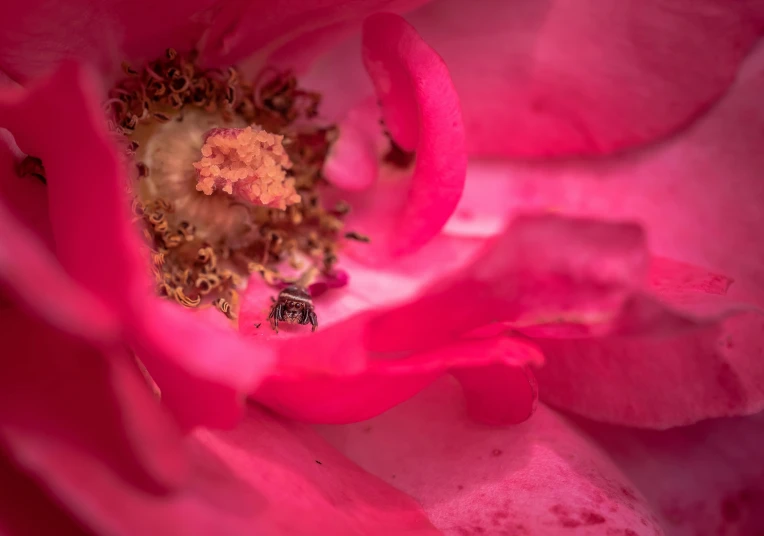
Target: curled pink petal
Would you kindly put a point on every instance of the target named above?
(492, 371)
(421, 110)
(542, 477)
(353, 163)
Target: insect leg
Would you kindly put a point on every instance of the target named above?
(313, 320)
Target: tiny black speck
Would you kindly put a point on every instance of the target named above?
(319, 463)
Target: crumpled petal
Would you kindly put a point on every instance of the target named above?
(698, 198)
(542, 269)
(59, 122)
(696, 369)
(60, 389)
(698, 195)
(543, 477)
(267, 477)
(421, 111)
(702, 479)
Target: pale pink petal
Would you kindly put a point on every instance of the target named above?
(499, 387)
(541, 477)
(59, 121)
(699, 198)
(544, 275)
(698, 195)
(267, 477)
(60, 389)
(707, 363)
(588, 77)
(702, 479)
(421, 111)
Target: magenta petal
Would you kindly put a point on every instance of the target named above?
(59, 389)
(545, 274)
(492, 371)
(25, 197)
(267, 477)
(240, 28)
(542, 477)
(421, 109)
(26, 509)
(205, 370)
(702, 479)
(36, 36)
(586, 77)
(31, 274)
(59, 122)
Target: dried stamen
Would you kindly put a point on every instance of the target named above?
(226, 179)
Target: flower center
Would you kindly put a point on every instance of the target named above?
(228, 180)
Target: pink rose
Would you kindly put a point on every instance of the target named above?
(605, 258)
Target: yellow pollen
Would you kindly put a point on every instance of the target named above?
(249, 163)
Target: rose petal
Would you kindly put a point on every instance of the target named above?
(702, 369)
(586, 77)
(26, 197)
(57, 388)
(25, 509)
(240, 28)
(267, 477)
(203, 370)
(98, 247)
(706, 478)
(36, 36)
(421, 111)
(545, 274)
(698, 195)
(82, 211)
(30, 273)
(499, 387)
(542, 477)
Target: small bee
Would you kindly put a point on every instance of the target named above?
(293, 306)
(224, 307)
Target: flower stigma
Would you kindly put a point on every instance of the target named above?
(228, 180)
